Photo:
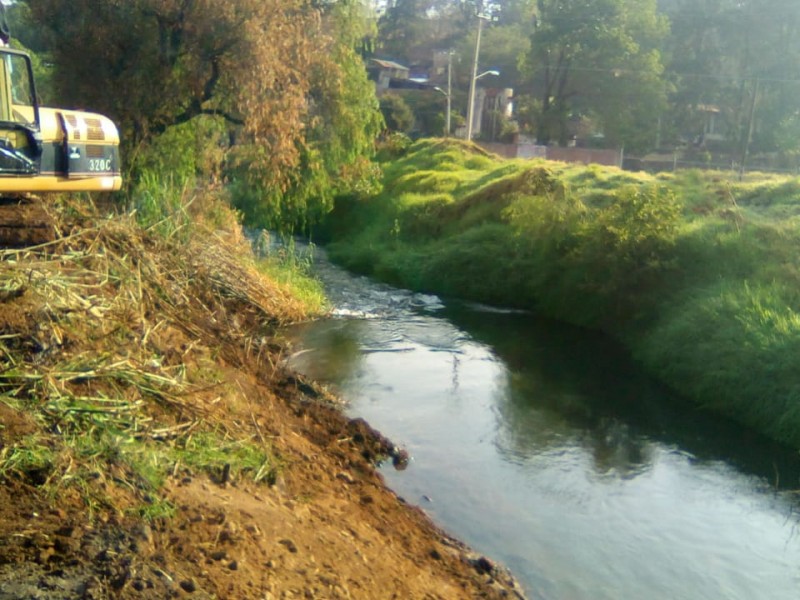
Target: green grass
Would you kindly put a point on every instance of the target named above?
(292, 268)
(160, 203)
(30, 457)
(80, 457)
(698, 273)
(733, 347)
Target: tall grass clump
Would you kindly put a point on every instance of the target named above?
(733, 347)
(697, 273)
(161, 202)
(167, 176)
(291, 266)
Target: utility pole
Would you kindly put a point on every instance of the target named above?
(449, 92)
(749, 137)
(474, 78)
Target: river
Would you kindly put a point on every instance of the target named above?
(544, 447)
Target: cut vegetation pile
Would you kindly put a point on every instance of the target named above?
(108, 341)
(699, 274)
(151, 446)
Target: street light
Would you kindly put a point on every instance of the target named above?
(447, 114)
(471, 107)
(448, 93)
(475, 76)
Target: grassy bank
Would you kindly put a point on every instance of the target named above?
(698, 274)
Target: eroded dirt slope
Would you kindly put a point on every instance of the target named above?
(119, 353)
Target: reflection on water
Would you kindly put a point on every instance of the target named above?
(589, 381)
(544, 447)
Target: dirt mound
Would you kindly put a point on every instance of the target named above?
(25, 222)
(152, 447)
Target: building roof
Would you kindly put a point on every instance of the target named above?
(388, 64)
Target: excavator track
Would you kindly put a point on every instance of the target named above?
(24, 222)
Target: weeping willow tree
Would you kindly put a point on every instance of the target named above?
(283, 75)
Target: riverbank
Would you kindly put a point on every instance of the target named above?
(697, 274)
(152, 446)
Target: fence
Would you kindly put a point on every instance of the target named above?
(570, 155)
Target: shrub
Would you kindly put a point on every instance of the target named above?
(392, 145)
(622, 248)
(396, 113)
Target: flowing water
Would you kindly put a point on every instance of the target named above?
(545, 448)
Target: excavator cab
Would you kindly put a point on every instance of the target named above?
(20, 137)
(50, 149)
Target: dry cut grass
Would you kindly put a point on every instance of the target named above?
(111, 345)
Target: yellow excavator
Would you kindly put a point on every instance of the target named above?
(45, 150)
(49, 149)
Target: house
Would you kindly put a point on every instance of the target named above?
(386, 72)
(712, 130)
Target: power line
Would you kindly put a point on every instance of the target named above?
(618, 72)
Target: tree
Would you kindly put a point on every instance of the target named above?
(155, 63)
(343, 121)
(411, 30)
(406, 30)
(595, 57)
(23, 31)
(721, 53)
(282, 73)
(396, 113)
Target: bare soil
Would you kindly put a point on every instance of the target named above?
(24, 221)
(325, 527)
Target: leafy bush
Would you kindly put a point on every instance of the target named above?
(623, 249)
(183, 152)
(396, 113)
(423, 219)
(392, 146)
